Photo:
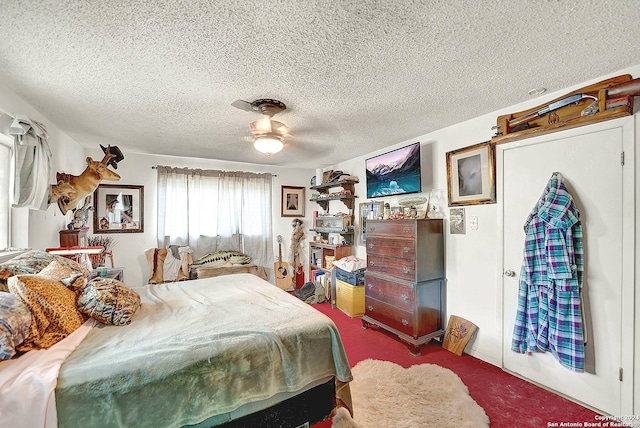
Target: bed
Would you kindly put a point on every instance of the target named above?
(225, 351)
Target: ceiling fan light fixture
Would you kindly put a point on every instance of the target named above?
(262, 126)
(268, 144)
(267, 126)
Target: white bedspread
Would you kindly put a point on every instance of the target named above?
(27, 383)
(197, 349)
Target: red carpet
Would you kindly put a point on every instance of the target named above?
(507, 400)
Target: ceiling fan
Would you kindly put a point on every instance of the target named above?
(268, 133)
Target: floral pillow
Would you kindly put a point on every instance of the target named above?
(15, 320)
(109, 301)
(33, 261)
(53, 309)
(72, 279)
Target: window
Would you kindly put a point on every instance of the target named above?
(5, 190)
(216, 210)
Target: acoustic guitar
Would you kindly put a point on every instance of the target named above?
(283, 279)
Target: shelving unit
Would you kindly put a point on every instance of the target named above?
(342, 225)
(318, 252)
(326, 224)
(347, 196)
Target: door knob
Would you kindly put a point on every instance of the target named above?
(509, 272)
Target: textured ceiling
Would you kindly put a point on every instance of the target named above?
(159, 76)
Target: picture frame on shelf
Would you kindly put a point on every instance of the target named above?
(471, 175)
(366, 208)
(292, 201)
(118, 209)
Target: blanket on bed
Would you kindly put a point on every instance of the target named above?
(34, 375)
(195, 350)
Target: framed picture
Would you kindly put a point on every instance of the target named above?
(471, 175)
(368, 210)
(456, 221)
(292, 201)
(118, 209)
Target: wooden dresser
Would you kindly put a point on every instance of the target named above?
(404, 280)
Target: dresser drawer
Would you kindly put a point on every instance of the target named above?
(396, 268)
(389, 247)
(396, 294)
(394, 228)
(390, 315)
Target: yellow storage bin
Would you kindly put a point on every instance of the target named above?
(350, 298)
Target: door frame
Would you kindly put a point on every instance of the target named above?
(627, 126)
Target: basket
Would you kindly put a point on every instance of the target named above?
(99, 259)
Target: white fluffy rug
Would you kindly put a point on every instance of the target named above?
(425, 395)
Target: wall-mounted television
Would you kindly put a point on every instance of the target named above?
(394, 173)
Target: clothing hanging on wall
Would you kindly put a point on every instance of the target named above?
(549, 314)
(32, 163)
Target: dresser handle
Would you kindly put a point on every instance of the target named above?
(404, 297)
(370, 308)
(370, 286)
(405, 249)
(407, 230)
(372, 228)
(406, 269)
(405, 322)
(371, 245)
(372, 263)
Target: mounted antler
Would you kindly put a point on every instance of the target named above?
(107, 155)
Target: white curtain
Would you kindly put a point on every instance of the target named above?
(32, 163)
(216, 210)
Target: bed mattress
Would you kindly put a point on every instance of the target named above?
(214, 348)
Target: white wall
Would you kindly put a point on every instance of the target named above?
(472, 266)
(39, 229)
(136, 169)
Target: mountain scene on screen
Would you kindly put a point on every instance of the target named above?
(394, 173)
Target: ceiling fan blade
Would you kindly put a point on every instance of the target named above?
(243, 105)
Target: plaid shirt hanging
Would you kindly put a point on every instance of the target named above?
(549, 314)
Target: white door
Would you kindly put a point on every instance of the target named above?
(589, 159)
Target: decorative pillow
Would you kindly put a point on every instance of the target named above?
(109, 301)
(53, 309)
(15, 320)
(219, 258)
(33, 261)
(72, 279)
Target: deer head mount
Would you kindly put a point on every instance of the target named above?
(72, 189)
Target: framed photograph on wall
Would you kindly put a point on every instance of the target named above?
(118, 209)
(471, 175)
(292, 203)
